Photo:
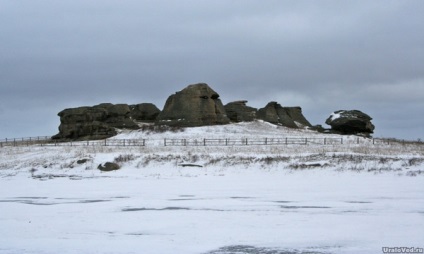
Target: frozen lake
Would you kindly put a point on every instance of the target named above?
(209, 211)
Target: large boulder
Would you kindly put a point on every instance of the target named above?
(238, 111)
(195, 105)
(97, 122)
(350, 122)
(286, 116)
(108, 166)
(144, 112)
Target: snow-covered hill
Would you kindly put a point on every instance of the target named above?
(355, 197)
(337, 153)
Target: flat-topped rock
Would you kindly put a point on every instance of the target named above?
(286, 116)
(238, 111)
(350, 122)
(144, 112)
(96, 122)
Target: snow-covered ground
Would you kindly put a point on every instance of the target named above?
(212, 200)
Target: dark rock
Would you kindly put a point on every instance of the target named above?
(84, 123)
(276, 114)
(286, 116)
(118, 116)
(319, 128)
(97, 122)
(144, 112)
(108, 166)
(237, 111)
(190, 165)
(350, 122)
(296, 115)
(82, 161)
(195, 105)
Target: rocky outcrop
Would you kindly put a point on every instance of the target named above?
(238, 111)
(350, 122)
(286, 116)
(144, 112)
(195, 105)
(97, 122)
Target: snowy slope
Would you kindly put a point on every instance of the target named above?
(256, 129)
(350, 198)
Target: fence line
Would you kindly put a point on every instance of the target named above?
(47, 141)
(252, 142)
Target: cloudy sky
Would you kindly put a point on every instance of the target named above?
(320, 55)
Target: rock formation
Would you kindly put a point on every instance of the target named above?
(195, 105)
(97, 122)
(144, 112)
(350, 122)
(286, 116)
(237, 111)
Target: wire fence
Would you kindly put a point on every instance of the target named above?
(47, 141)
(285, 141)
(251, 142)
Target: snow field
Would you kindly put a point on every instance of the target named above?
(196, 212)
(212, 200)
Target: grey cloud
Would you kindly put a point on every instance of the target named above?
(323, 57)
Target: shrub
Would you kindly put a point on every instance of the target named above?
(124, 158)
(161, 128)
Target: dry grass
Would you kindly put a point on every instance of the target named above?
(377, 158)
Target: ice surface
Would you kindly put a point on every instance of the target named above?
(199, 211)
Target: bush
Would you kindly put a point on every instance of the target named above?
(161, 128)
(124, 158)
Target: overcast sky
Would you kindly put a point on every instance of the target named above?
(320, 55)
